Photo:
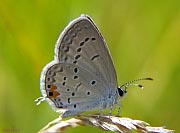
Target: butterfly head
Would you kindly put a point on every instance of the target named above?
(122, 90)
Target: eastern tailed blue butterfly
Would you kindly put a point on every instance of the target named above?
(82, 76)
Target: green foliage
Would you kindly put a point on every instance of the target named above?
(143, 37)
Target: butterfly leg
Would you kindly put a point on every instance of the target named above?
(112, 107)
(119, 110)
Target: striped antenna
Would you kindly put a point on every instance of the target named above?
(138, 85)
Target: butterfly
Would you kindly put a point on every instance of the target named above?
(82, 76)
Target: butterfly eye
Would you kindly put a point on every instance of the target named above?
(121, 92)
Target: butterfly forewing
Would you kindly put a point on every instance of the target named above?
(82, 44)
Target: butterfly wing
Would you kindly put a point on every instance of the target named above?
(72, 88)
(82, 44)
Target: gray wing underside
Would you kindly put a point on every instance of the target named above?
(82, 44)
(78, 90)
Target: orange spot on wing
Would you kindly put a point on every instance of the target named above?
(53, 87)
(52, 92)
(56, 94)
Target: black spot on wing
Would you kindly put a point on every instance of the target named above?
(94, 57)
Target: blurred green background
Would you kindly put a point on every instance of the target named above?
(144, 40)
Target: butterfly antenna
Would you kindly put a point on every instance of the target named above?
(138, 85)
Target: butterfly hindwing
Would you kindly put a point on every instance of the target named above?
(69, 86)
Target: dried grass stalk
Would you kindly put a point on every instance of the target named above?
(104, 122)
